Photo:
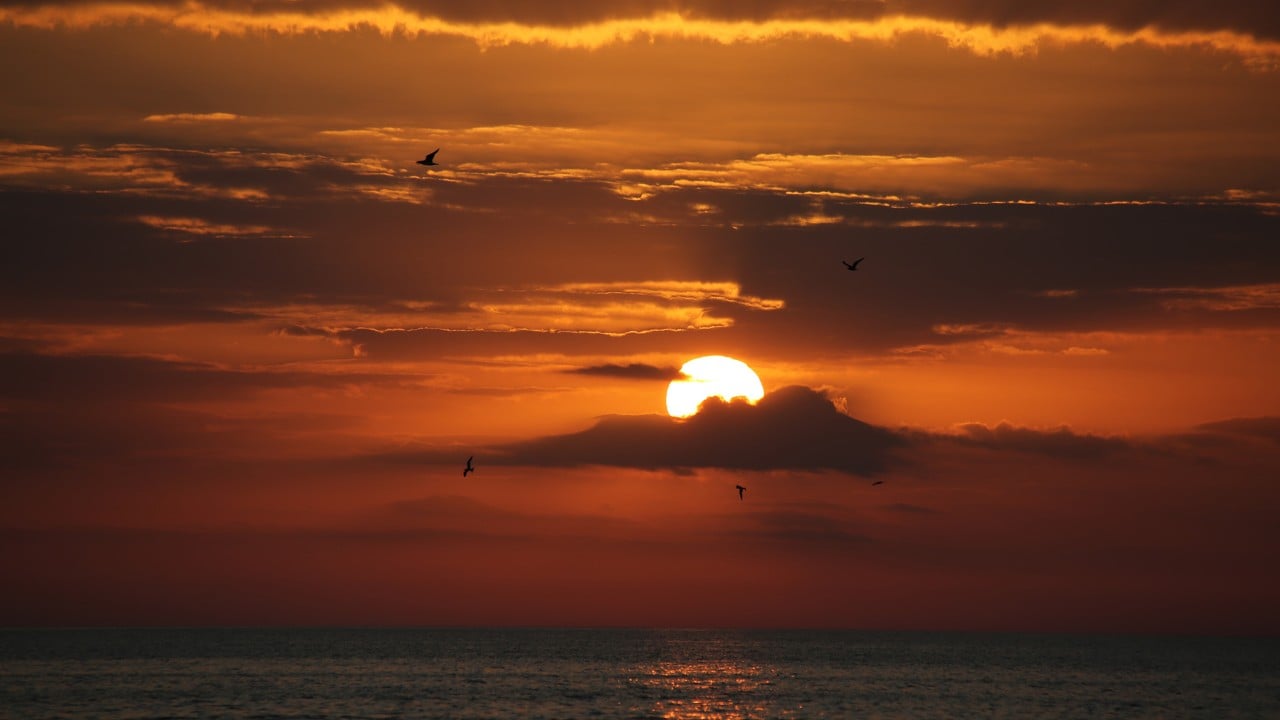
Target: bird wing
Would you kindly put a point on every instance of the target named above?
(855, 262)
(432, 154)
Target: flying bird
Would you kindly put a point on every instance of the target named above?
(468, 469)
(854, 266)
(740, 491)
(878, 482)
(430, 159)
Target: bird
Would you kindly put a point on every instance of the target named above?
(878, 482)
(468, 469)
(430, 159)
(740, 491)
(854, 266)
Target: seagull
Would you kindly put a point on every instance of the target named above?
(740, 491)
(854, 266)
(468, 469)
(430, 159)
(878, 482)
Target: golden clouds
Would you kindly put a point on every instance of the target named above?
(1220, 299)
(978, 38)
(601, 308)
(199, 226)
(192, 117)
(725, 292)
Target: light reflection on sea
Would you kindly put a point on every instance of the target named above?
(460, 674)
(704, 690)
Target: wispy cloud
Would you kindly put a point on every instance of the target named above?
(1235, 298)
(608, 308)
(199, 226)
(629, 371)
(976, 37)
(176, 172)
(191, 117)
(725, 292)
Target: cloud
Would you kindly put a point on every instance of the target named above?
(983, 28)
(113, 379)
(199, 227)
(1252, 18)
(1059, 443)
(191, 117)
(1267, 428)
(1262, 296)
(195, 174)
(698, 291)
(792, 428)
(603, 308)
(629, 371)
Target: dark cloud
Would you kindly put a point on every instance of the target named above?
(792, 428)
(797, 428)
(630, 371)
(82, 257)
(1261, 19)
(980, 282)
(1258, 18)
(91, 379)
(1061, 443)
(1267, 428)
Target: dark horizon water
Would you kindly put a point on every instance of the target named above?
(543, 673)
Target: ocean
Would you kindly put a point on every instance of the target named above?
(427, 673)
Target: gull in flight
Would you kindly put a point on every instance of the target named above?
(430, 159)
(468, 469)
(854, 266)
(740, 491)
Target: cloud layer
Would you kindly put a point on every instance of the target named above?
(790, 428)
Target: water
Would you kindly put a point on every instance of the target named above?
(355, 674)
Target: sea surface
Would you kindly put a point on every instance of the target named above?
(419, 673)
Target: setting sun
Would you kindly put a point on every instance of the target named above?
(713, 375)
(275, 270)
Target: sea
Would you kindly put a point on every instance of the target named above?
(355, 674)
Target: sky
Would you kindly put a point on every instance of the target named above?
(247, 344)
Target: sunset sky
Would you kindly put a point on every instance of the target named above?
(247, 344)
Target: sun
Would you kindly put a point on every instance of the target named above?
(704, 377)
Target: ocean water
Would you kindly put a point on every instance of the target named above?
(418, 673)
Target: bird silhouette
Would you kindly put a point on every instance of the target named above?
(468, 469)
(878, 482)
(740, 491)
(854, 266)
(430, 159)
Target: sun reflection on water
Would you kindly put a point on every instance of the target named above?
(702, 690)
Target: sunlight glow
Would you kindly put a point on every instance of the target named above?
(713, 375)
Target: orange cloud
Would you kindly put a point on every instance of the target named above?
(979, 38)
(609, 308)
(192, 117)
(199, 226)
(1221, 299)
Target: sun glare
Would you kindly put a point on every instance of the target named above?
(713, 375)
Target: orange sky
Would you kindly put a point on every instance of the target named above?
(247, 343)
